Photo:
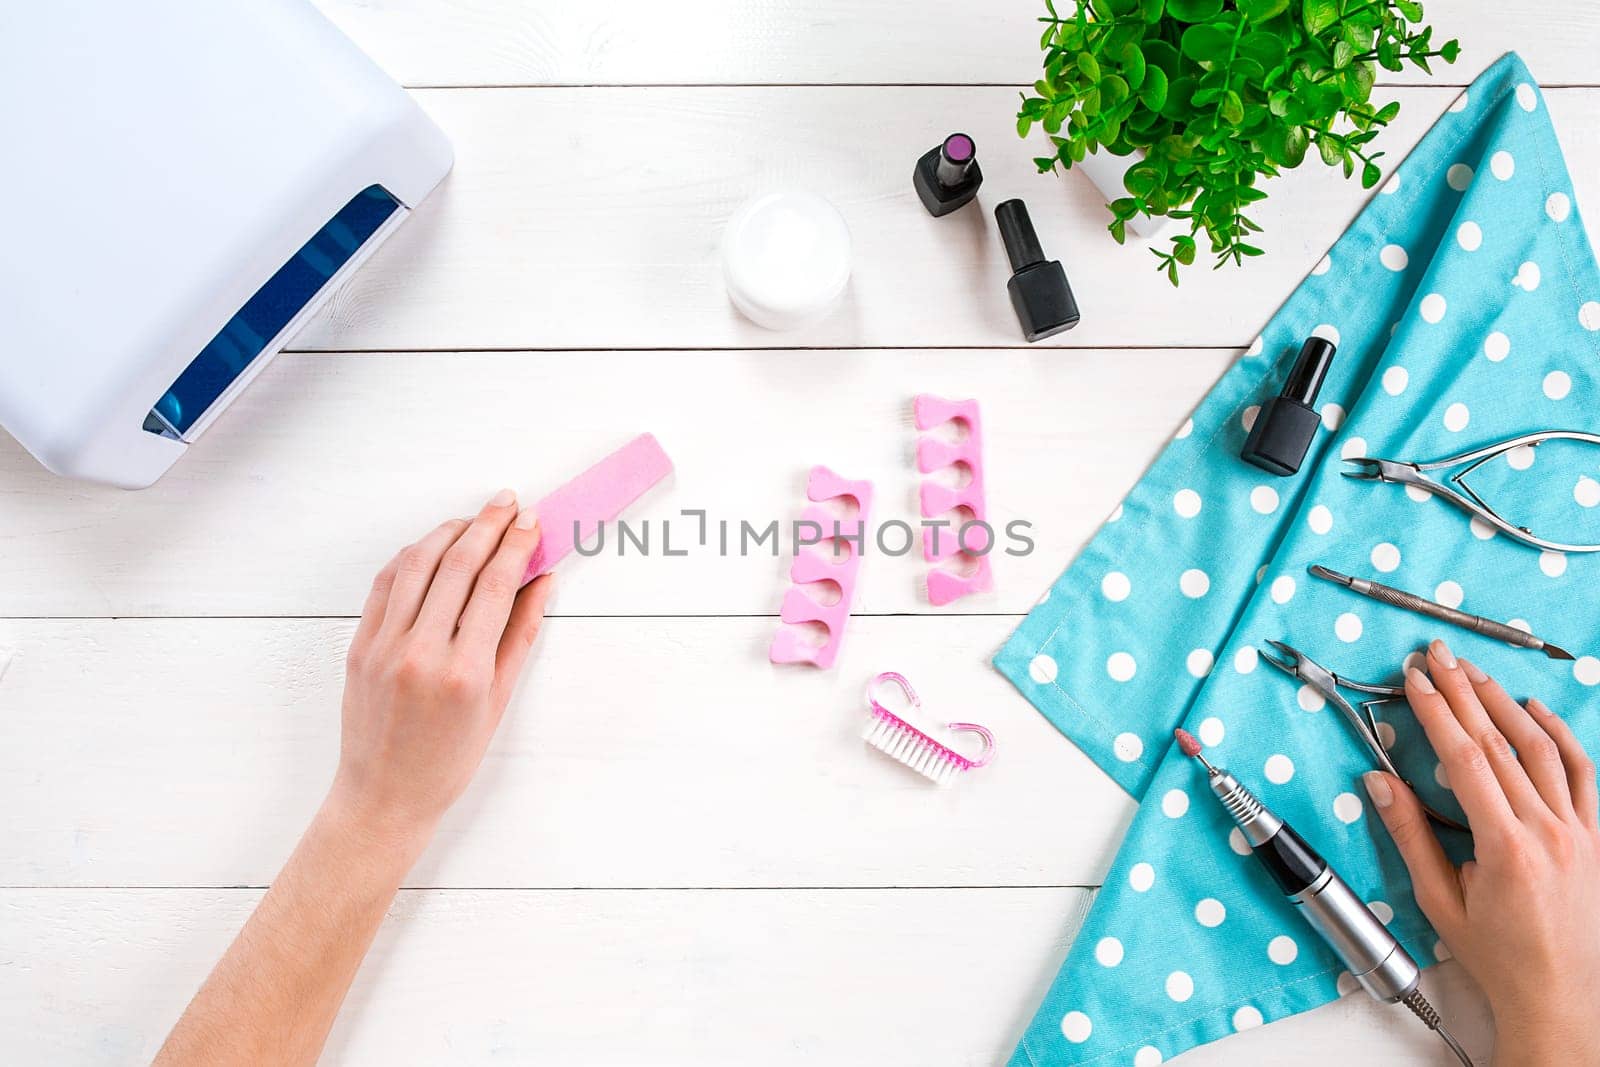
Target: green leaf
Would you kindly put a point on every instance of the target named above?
(1370, 175)
(1089, 66)
(1450, 51)
(1386, 114)
(1158, 53)
(1024, 124)
(1330, 150)
(1318, 15)
(1262, 10)
(1410, 9)
(1342, 54)
(1141, 180)
(1113, 91)
(1153, 93)
(1178, 94)
(1194, 10)
(1265, 47)
(1296, 143)
(1152, 10)
(1357, 82)
(1232, 109)
(1133, 66)
(1206, 44)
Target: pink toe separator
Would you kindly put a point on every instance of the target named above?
(813, 564)
(940, 544)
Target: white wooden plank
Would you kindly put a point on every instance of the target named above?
(945, 977)
(328, 464)
(590, 218)
(639, 42)
(641, 752)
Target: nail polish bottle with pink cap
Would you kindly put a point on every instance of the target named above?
(948, 175)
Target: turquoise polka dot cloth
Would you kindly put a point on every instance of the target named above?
(1466, 303)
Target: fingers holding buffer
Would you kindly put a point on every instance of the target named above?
(527, 618)
(461, 565)
(414, 571)
(484, 617)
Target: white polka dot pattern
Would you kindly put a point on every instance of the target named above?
(1195, 583)
(1460, 320)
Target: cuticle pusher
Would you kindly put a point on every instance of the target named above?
(1399, 598)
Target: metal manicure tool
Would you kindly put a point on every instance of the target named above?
(1327, 684)
(1455, 490)
(1399, 598)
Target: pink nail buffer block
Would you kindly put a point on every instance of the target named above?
(575, 511)
(944, 584)
(811, 564)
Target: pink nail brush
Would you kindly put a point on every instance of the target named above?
(899, 740)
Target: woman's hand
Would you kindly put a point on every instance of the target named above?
(441, 642)
(442, 639)
(1523, 917)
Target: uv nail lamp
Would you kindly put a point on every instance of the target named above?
(185, 183)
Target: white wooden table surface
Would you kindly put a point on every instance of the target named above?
(675, 853)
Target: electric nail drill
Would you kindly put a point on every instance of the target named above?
(1375, 959)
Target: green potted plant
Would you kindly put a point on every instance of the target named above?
(1207, 97)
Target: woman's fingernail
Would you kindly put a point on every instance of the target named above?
(503, 499)
(1443, 655)
(527, 519)
(1378, 788)
(1538, 707)
(1474, 671)
(1419, 680)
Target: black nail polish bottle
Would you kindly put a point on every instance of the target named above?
(948, 176)
(1287, 424)
(1039, 291)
